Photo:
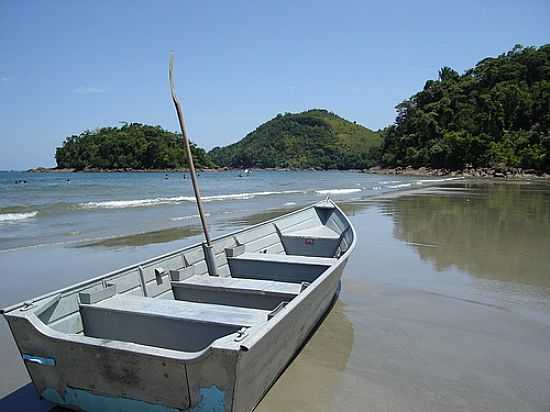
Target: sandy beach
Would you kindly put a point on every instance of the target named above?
(445, 305)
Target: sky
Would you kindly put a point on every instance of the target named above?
(70, 66)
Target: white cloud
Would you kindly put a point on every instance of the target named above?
(88, 90)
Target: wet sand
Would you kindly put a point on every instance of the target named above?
(445, 306)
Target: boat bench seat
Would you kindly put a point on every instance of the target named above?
(282, 268)
(317, 232)
(185, 326)
(317, 241)
(251, 293)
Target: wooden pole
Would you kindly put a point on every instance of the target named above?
(187, 149)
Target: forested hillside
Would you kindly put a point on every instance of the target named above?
(315, 138)
(495, 114)
(132, 146)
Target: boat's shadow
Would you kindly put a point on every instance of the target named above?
(25, 399)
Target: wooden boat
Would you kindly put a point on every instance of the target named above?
(165, 335)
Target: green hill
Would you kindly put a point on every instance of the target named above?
(315, 138)
(495, 114)
(132, 146)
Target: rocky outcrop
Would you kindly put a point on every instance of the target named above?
(500, 172)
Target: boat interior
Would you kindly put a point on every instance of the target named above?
(175, 302)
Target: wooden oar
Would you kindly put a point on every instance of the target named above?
(208, 249)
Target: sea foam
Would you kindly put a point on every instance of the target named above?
(16, 217)
(337, 191)
(180, 218)
(400, 186)
(119, 204)
(446, 179)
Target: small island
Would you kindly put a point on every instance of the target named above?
(131, 147)
(312, 139)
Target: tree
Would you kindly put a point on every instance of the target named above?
(497, 113)
(134, 146)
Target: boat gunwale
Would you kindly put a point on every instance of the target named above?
(83, 284)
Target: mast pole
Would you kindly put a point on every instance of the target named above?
(187, 145)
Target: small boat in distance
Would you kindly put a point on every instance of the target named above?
(169, 335)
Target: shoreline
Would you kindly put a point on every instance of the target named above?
(178, 232)
(480, 172)
(120, 170)
(514, 173)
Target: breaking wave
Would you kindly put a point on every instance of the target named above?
(400, 186)
(337, 191)
(423, 181)
(119, 204)
(180, 218)
(420, 182)
(16, 217)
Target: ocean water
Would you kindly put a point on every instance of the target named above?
(38, 209)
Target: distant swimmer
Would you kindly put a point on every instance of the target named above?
(166, 176)
(244, 173)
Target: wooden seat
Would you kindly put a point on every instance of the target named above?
(250, 293)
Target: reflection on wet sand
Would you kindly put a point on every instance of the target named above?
(25, 399)
(311, 380)
(502, 233)
(148, 238)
